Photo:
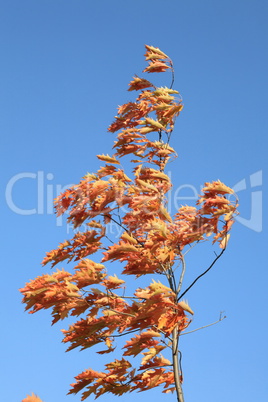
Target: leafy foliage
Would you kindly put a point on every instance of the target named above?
(151, 242)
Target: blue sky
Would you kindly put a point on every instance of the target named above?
(65, 67)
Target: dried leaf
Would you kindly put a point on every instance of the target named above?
(107, 158)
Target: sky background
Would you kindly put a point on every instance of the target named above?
(65, 67)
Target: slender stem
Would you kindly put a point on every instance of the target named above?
(173, 74)
(122, 313)
(204, 326)
(175, 346)
(118, 335)
(176, 365)
(200, 276)
(182, 274)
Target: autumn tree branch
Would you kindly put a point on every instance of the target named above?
(152, 243)
(176, 365)
(205, 326)
(200, 276)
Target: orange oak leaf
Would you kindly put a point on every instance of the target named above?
(120, 251)
(113, 282)
(156, 67)
(157, 361)
(139, 83)
(151, 50)
(32, 398)
(107, 158)
(153, 378)
(140, 342)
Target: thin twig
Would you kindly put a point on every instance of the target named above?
(200, 276)
(118, 335)
(191, 247)
(177, 365)
(182, 274)
(121, 312)
(205, 326)
(173, 74)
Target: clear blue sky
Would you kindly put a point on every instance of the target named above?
(65, 67)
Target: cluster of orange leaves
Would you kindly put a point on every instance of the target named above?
(151, 242)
